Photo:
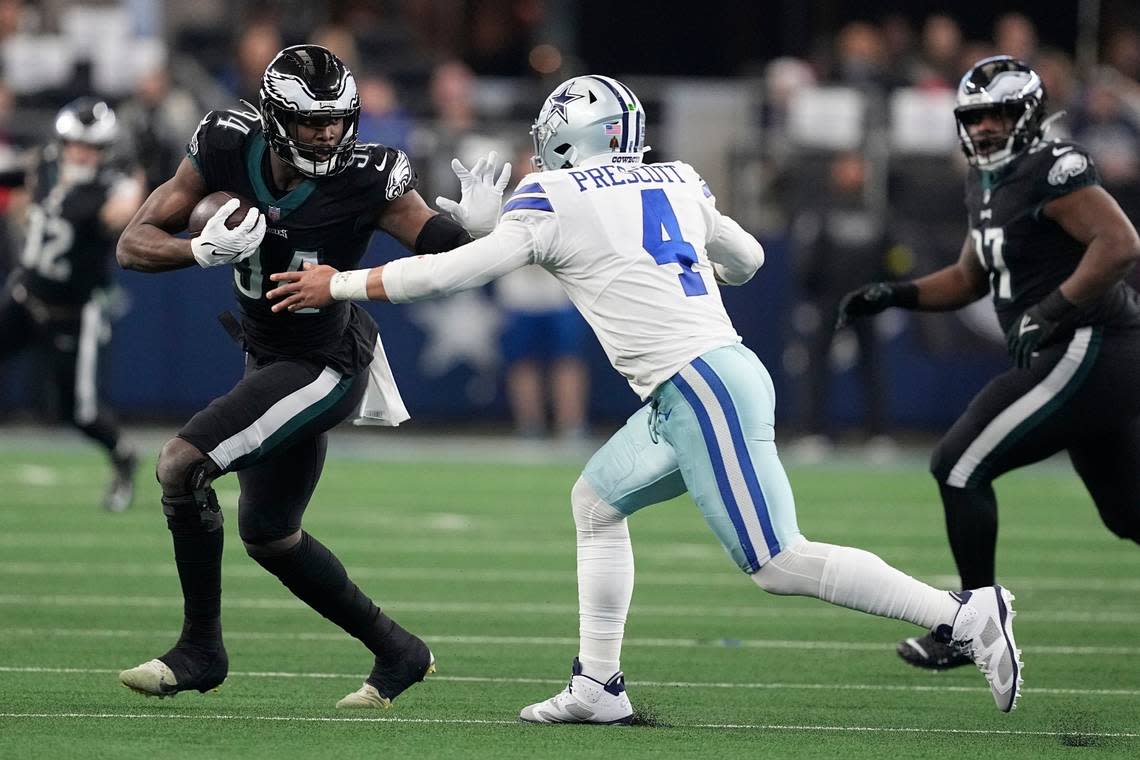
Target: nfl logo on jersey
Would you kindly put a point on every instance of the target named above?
(274, 213)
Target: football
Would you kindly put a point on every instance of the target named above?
(209, 206)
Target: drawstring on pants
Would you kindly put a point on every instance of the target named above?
(654, 410)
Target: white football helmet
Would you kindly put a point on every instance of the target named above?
(585, 117)
(87, 120)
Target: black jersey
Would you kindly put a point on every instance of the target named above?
(1027, 254)
(327, 220)
(67, 249)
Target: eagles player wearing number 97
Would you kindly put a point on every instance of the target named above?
(79, 200)
(640, 250)
(1053, 248)
(319, 195)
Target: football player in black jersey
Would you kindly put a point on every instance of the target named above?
(54, 298)
(1054, 248)
(320, 194)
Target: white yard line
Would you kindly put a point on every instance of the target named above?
(764, 609)
(729, 685)
(514, 576)
(483, 722)
(561, 641)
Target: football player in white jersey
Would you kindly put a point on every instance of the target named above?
(641, 249)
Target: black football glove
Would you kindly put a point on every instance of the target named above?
(874, 298)
(1036, 326)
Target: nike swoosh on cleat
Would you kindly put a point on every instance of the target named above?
(913, 644)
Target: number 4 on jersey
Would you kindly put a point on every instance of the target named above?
(661, 236)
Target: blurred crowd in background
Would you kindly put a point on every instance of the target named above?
(841, 147)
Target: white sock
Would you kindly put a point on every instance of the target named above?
(605, 581)
(855, 579)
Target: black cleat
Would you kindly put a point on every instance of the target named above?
(122, 491)
(178, 670)
(927, 652)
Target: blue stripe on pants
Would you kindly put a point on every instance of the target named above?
(742, 455)
(719, 469)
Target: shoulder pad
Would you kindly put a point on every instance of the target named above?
(375, 164)
(223, 131)
(1063, 166)
(692, 175)
(535, 178)
(531, 193)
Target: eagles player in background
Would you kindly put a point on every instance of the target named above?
(1054, 249)
(640, 250)
(319, 195)
(79, 201)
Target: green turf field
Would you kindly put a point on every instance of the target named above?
(478, 559)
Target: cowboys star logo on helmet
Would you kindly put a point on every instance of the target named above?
(582, 117)
(559, 100)
(308, 85)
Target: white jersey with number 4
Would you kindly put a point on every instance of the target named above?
(630, 245)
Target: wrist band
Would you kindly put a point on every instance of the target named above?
(350, 286)
(1055, 306)
(905, 295)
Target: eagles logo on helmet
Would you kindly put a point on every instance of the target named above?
(1005, 91)
(308, 85)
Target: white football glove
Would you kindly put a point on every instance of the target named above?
(217, 244)
(481, 195)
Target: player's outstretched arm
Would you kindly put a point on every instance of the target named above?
(955, 286)
(148, 243)
(414, 278)
(318, 285)
(419, 228)
(950, 288)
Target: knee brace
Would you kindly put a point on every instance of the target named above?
(798, 570)
(591, 513)
(196, 511)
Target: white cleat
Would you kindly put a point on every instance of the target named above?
(984, 628)
(154, 679)
(584, 700)
(365, 698)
